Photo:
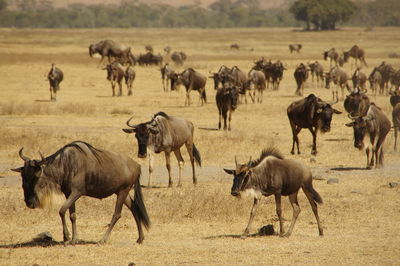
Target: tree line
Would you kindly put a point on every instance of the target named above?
(312, 14)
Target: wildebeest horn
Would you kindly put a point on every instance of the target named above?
(352, 117)
(236, 163)
(23, 157)
(41, 156)
(129, 125)
(249, 163)
(332, 103)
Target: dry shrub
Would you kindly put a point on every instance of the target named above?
(40, 108)
(120, 111)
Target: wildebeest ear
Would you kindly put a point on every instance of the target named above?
(350, 124)
(229, 172)
(336, 111)
(19, 170)
(128, 130)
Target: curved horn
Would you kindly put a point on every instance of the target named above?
(236, 163)
(41, 156)
(332, 103)
(249, 163)
(352, 117)
(129, 125)
(23, 157)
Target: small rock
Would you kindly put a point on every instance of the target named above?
(312, 160)
(45, 236)
(318, 177)
(355, 191)
(332, 181)
(266, 230)
(393, 184)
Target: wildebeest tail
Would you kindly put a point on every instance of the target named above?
(138, 206)
(196, 155)
(314, 194)
(365, 62)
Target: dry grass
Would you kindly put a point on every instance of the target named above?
(191, 225)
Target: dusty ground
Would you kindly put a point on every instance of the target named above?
(191, 225)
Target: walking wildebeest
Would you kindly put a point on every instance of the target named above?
(300, 75)
(55, 76)
(272, 174)
(395, 102)
(78, 169)
(149, 59)
(333, 55)
(295, 47)
(376, 81)
(395, 80)
(359, 79)
(192, 80)
(312, 113)
(357, 53)
(339, 77)
(130, 76)
(234, 46)
(220, 76)
(386, 71)
(110, 49)
(226, 99)
(115, 74)
(178, 57)
(257, 78)
(238, 78)
(316, 70)
(166, 134)
(356, 103)
(166, 75)
(376, 126)
(277, 74)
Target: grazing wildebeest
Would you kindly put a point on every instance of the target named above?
(178, 57)
(149, 59)
(333, 55)
(376, 125)
(78, 169)
(115, 74)
(376, 81)
(312, 113)
(300, 75)
(356, 103)
(257, 78)
(295, 47)
(316, 70)
(166, 134)
(166, 75)
(234, 46)
(386, 71)
(272, 174)
(339, 77)
(359, 79)
(395, 102)
(357, 53)
(110, 49)
(192, 80)
(130, 76)
(55, 76)
(220, 76)
(226, 99)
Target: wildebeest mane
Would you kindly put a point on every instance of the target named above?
(161, 113)
(270, 151)
(76, 146)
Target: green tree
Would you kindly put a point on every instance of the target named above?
(3, 5)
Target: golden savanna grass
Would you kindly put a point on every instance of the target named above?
(192, 224)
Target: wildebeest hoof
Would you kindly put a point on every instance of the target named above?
(140, 240)
(101, 242)
(292, 152)
(179, 185)
(314, 153)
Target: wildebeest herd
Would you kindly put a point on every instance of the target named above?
(79, 169)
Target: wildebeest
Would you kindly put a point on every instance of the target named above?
(178, 57)
(130, 76)
(115, 74)
(356, 103)
(272, 174)
(234, 46)
(316, 70)
(192, 80)
(166, 134)
(333, 55)
(55, 76)
(357, 53)
(166, 75)
(300, 75)
(376, 81)
(167, 49)
(295, 47)
(78, 169)
(257, 78)
(238, 78)
(149, 59)
(395, 80)
(277, 74)
(149, 48)
(376, 126)
(395, 102)
(312, 113)
(359, 79)
(220, 76)
(339, 77)
(226, 99)
(110, 49)
(386, 70)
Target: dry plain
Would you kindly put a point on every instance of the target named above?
(191, 224)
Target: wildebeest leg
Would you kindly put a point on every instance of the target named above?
(72, 217)
(295, 132)
(252, 214)
(181, 163)
(120, 88)
(128, 203)
(121, 198)
(151, 159)
(395, 137)
(224, 115)
(74, 196)
(168, 164)
(314, 208)
(113, 88)
(296, 211)
(187, 100)
(279, 212)
(229, 119)
(219, 118)
(189, 147)
(314, 145)
(367, 152)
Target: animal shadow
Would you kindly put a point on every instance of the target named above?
(348, 168)
(208, 128)
(43, 101)
(255, 235)
(44, 243)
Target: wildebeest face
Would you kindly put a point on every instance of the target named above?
(328, 79)
(233, 93)
(346, 56)
(359, 125)
(142, 135)
(325, 117)
(240, 178)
